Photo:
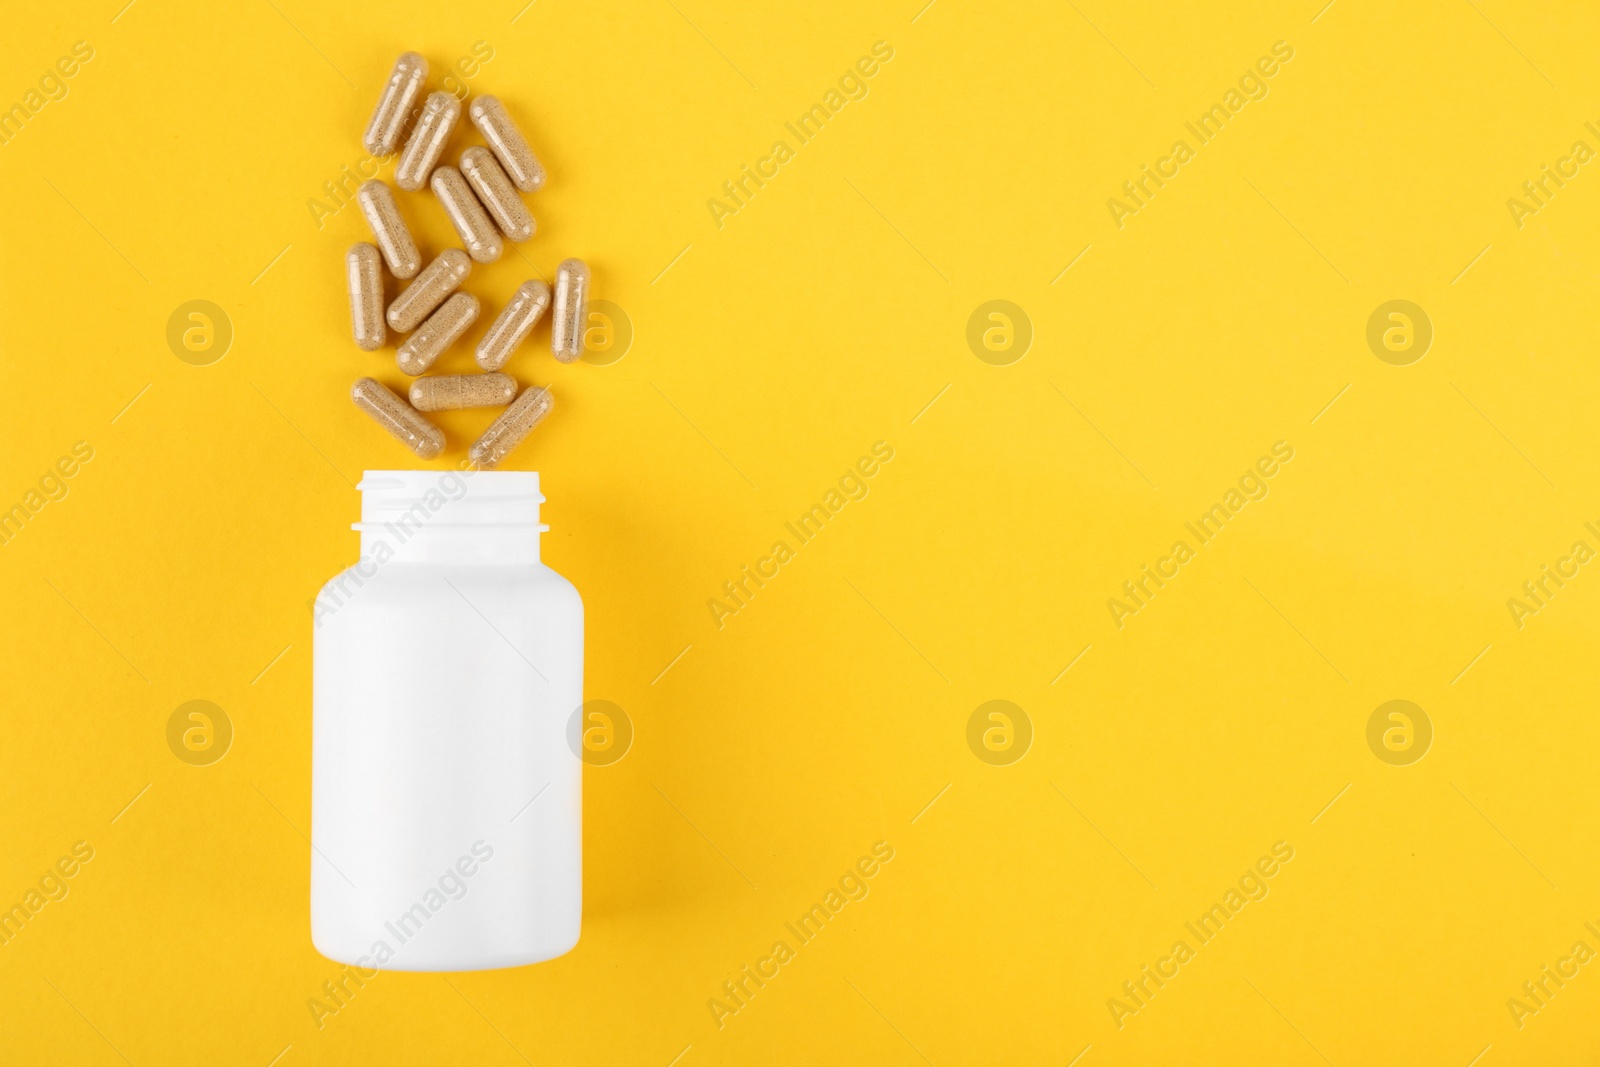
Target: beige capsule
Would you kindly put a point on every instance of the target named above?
(437, 334)
(571, 311)
(451, 392)
(363, 268)
(389, 229)
(472, 224)
(512, 326)
(497, 194)
(510, 147)
(391, 412)
(438, 280)
(514, 424)
(440, 113)
(394, 105)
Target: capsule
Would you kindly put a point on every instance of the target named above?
(472, 225)
(512, 326)
(497, 194)
(514, 424)
(440, 113)
(437, 334)
(451, 392)
(571, 312)
(389, 229)
(399, 94)
(510, 147)
(364, 273)
(438, 280)
(392, 413)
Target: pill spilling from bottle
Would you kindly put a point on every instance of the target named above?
(481, 196)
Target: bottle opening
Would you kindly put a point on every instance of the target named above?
(445, 499)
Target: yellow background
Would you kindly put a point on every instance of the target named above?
(769, 355)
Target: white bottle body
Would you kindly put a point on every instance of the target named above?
(446, 799)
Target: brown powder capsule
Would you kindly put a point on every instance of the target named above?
(507, 142)
(512, 326)
(394, 105)
(440, 113)
(571, 311)
(497, 194)
(437, 334)
(472, 224)
(392, 413)
(514, 424)
(389, 229)
(438, 280)
(363, 268)
(451, 392)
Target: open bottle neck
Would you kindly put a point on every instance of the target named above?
(458, 517)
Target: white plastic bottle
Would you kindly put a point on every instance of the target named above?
(445, 796)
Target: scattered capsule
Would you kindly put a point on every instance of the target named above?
(438, 280)
(394, 106)
(571, 311)
(512, 326)
(440, 113)
(450, 392)
(477, 233)
(497, 193)
(509, 146)
(514, 424)
(392, 413)
(389, 229)
(425, 346)
(364, 272)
